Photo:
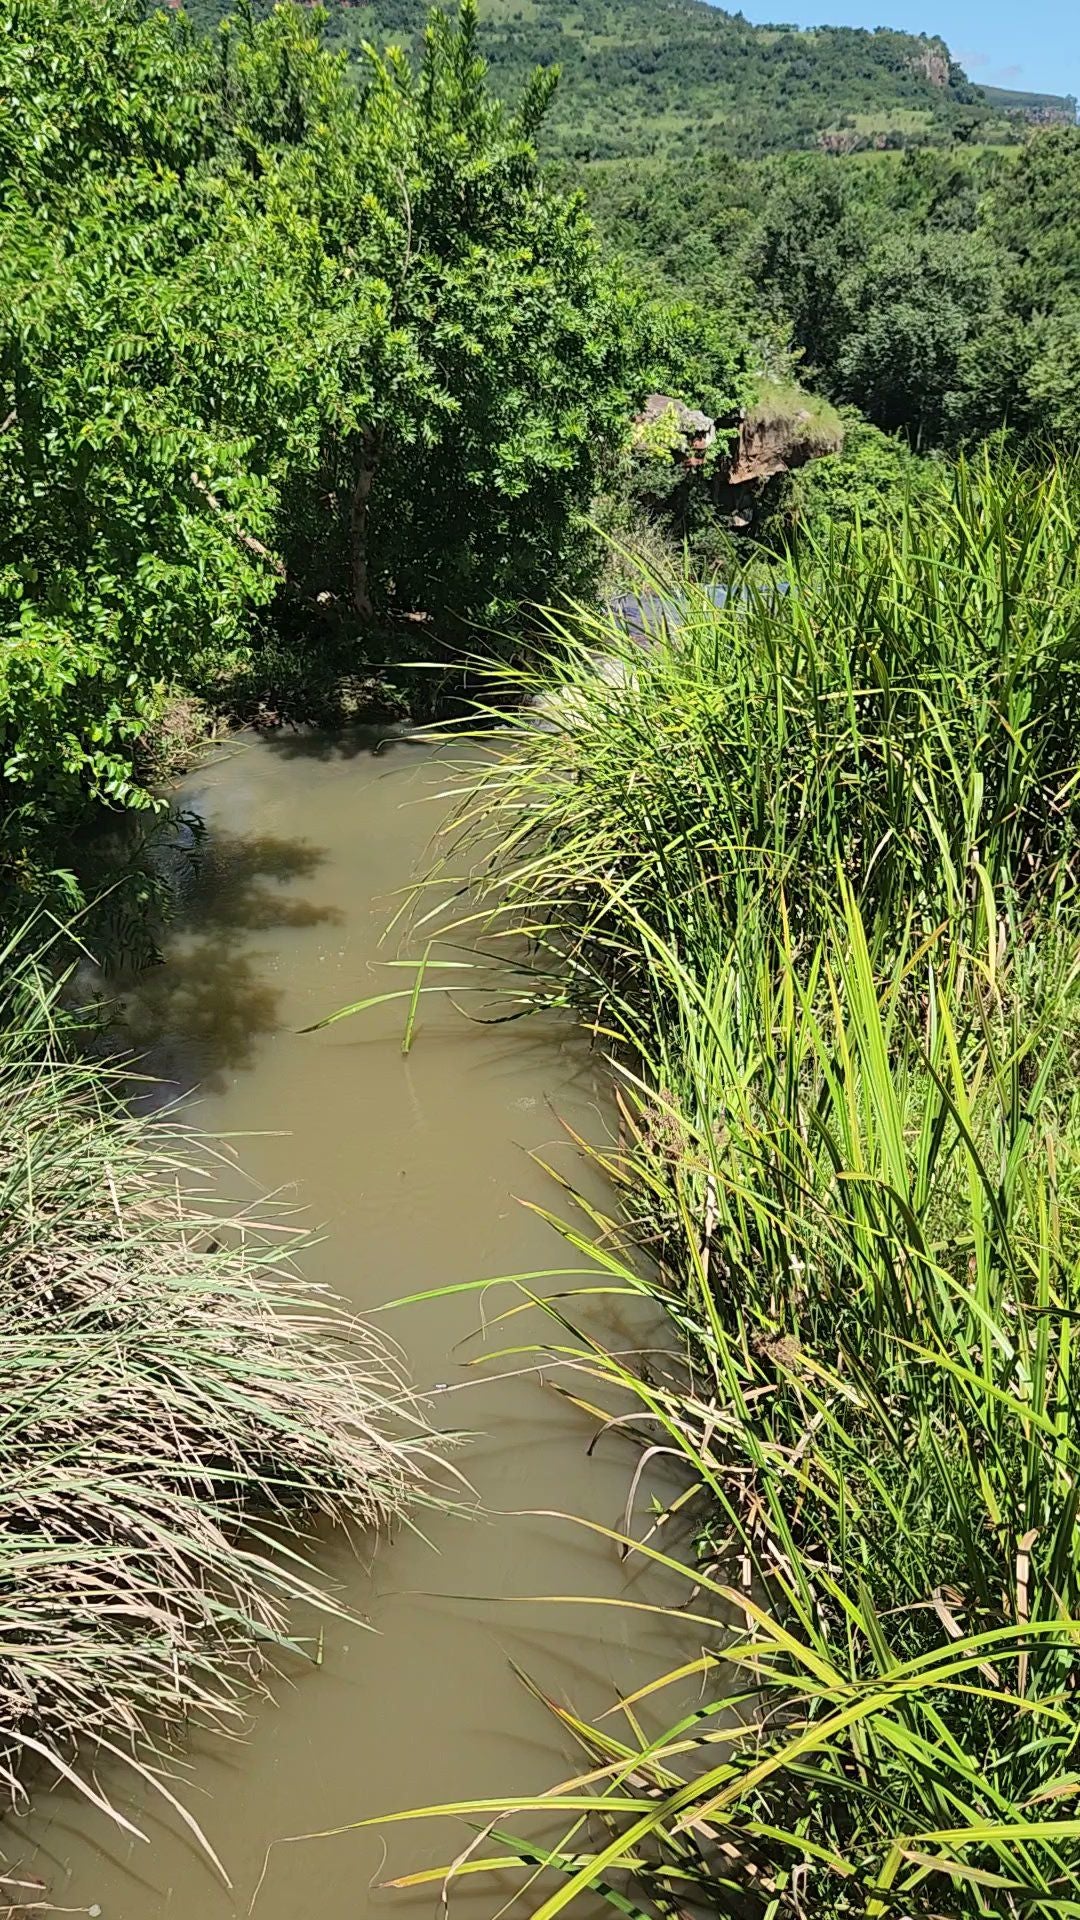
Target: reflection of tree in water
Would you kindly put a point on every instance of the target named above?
(346, 742)
(133, 874)
(202, 1011)
(239, 883)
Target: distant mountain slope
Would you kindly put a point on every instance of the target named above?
(671, 76)
(1045, 109)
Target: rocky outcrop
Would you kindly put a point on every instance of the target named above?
(667, 425)
(932, 63)
(783, 431)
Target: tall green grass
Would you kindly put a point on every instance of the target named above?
(806, 867)
(178, 1406)
(901, 708)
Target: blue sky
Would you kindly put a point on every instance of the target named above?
(1001, 43)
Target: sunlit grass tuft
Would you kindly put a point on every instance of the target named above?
(177, 1406)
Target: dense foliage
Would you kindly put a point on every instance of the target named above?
(268, 338)
(937, 291)
(694, 77)
(808, 866)
(940, 296)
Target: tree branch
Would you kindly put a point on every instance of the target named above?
(247, 540)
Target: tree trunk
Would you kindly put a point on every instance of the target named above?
(370, 443)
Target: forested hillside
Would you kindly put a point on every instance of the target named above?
(641, 78)
(937, 292)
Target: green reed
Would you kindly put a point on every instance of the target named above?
(805, 864)
(899, 709)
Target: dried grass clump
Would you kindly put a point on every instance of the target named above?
(174, 1401)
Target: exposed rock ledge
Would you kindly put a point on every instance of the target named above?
(784, 429)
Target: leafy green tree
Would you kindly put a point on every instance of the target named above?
(813, 234)
(913, 312)
(1052, 376)
(1032, 218)
(510, 354)
(268, 340)
(936, 290)
(125, 457)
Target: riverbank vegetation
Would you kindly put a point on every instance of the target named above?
(178, 1402)
(309, 369)
(806, 865)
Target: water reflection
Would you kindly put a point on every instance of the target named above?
(416, 1166)
(200, 1017)
(350, 743)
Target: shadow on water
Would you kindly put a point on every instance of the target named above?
(200, 1018)
(238, 884)
(345, 743)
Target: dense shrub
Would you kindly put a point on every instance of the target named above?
(268, 337)
(869, 481)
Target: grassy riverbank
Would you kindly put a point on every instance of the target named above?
(806, 867)
(178, 1405)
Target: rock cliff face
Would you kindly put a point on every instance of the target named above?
(779, 434)
(932, 63)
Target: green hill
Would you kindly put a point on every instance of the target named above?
(672, 76)
(1044, 109)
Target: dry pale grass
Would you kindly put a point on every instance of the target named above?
(175, 1402)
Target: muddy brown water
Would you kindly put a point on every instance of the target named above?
(416, 1169)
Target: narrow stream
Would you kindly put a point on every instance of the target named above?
(415, 1168)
